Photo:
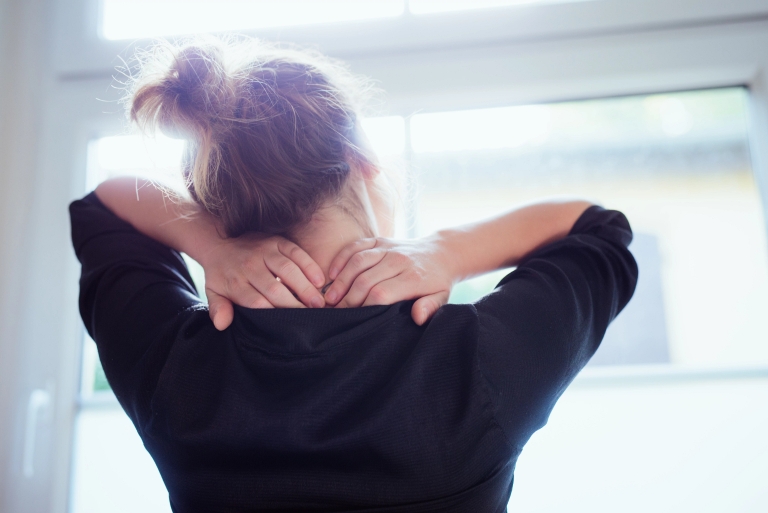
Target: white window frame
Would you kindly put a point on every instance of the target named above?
(530, 54)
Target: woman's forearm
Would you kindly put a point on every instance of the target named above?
(504, 241)
(241, 271)
(177, 223)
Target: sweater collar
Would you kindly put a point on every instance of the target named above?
(309, 330)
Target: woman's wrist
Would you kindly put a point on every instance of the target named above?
(197, 234)
(451, 244)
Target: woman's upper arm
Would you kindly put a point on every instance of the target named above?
(547, 318)
(131, 287)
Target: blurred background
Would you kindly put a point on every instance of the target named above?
(658, 109)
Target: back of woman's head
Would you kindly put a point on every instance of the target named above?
(271, 134)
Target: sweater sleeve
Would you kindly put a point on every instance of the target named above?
(132, 290)
(546, 319)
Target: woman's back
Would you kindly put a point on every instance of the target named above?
(302, 410)
(344, 409)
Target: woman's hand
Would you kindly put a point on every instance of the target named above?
(383, 271)
(258, 272)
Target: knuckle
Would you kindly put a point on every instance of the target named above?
(285, 267)
(260, 303)
(286, 248)
(295, 252)
(412, 275)
(306, 292)
(357, 261)
(400, 258)
(379, 295)
(352, 301)
(363, 282)
(274, 288)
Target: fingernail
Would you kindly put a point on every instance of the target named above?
(330, 296)
(332, 273)
(318, 281)
(316, 302)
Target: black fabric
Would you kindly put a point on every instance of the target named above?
(344, 409)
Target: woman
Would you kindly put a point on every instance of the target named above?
(405, 404)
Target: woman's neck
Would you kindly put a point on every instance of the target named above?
(328, 232)
(339, 223)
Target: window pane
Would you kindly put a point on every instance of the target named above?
(111, 470)
(678, 166)
(386, 134)
(156, 158)
(432, 6)
(129, 19)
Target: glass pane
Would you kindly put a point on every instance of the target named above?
(130, 19)
(386, 134)
(432, 6)
(111, 470)
(156, 158)
(676, 164)
(93, 380)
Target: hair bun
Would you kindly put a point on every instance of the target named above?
(186, 91)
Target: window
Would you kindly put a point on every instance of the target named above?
(520, 59)
(436, 6)
(677, 164)
(130, 19)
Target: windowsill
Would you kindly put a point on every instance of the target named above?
(664, 373)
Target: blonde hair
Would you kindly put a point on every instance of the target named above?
(272, 133)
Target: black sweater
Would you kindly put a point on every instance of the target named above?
(344, 409)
